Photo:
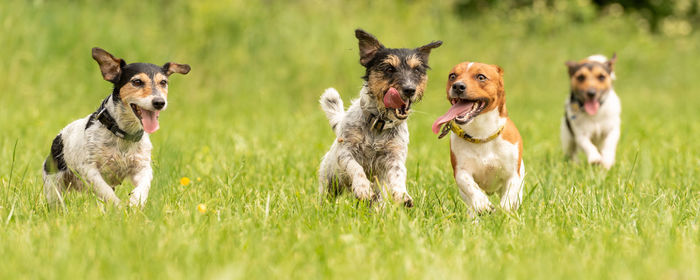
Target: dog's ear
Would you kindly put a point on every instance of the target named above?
(110, 66)
(369, 45)
(611, 62)
(170, 68)
(573, 66)
(424, 51)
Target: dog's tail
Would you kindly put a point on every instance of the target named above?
(332, 104)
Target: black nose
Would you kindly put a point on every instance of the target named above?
(590, 93)
(459, 87)
(158, 103)
(408, 92)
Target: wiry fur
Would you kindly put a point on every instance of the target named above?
(596, 135)
(86, 155)
(363, 158)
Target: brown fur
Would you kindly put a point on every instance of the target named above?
(491, 90)
(453, 161)
(413, 61)
(510, 133)
(129, 90)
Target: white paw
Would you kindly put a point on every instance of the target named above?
(403, 197)
(510, 203)
(363, 190)
(594, 159)
(481, 204)
(135, 201)
(607, 162)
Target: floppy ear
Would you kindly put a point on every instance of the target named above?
(424, 51)
(110, 66)
(170, 68)
(369, 45)
(572, 65)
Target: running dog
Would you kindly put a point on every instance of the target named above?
(591, 121)
(371, 142)
(108, 146)
(486, 150)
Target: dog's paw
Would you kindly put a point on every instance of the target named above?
(509, 204)
(481, 205)
(607, 162)
(136, 202)
(363, 190)
(595, 159)
(403, 197)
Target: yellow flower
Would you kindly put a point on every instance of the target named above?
(184, 181)
(199, 179)
(202, 208)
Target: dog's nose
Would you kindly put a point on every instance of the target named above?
(408, 92)
(459, 87)
(158, 103)
(590, 93)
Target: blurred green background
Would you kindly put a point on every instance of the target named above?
(247, 123)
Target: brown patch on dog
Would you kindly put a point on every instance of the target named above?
(161, 82)
(392, 60)
(483, 81)
(378, 86)
(453, 160)
(591, 75)
(133, 90)
(511, 134)
(420, 88)
(413, 61)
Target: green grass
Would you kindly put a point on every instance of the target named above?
(247, 122)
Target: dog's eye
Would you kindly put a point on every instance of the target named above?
(163, 83)
(452, 77)
(481, 77)
(137, 82)
(390, 69)
(601, 77)
(581, 78)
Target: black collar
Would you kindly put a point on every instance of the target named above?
(378, 122)
(110, 123)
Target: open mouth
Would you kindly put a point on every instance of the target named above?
(462, 112)
(393, 100)
(467, 109)
(149, 119)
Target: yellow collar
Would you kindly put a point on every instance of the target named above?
(462, 134)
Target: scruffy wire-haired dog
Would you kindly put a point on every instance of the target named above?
(109, 145)
(372, 135)
(591, 121)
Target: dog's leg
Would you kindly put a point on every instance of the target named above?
(567, 141)
(472, 194)
(142, 181)
(361, 186)
(608, 147)
(512, 194)
(103, 190)
(589, 149)
(396, 177)
(53, 187)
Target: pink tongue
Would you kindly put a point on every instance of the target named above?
(591, 107)
(149, 119)
(392, 99)
(458, 109)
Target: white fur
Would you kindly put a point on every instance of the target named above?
(486, 168)
(595, 135)
(97, 157)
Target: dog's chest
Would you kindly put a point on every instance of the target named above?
(490, 164)
(117, 161)
(372, 149)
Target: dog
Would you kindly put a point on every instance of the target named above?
(371, 143)
(591, 121)
(108, 146)
(486, 150)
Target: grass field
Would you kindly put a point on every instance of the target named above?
(246, 128)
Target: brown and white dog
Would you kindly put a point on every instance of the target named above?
(485, 146)
(591, 121)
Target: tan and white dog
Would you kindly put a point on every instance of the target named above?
(485, 146)
(591, 121)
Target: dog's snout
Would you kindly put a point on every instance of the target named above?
(459, 87)
(158, 103)
(591, 92)
(409, 91)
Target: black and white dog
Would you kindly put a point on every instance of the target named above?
(101, 150)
